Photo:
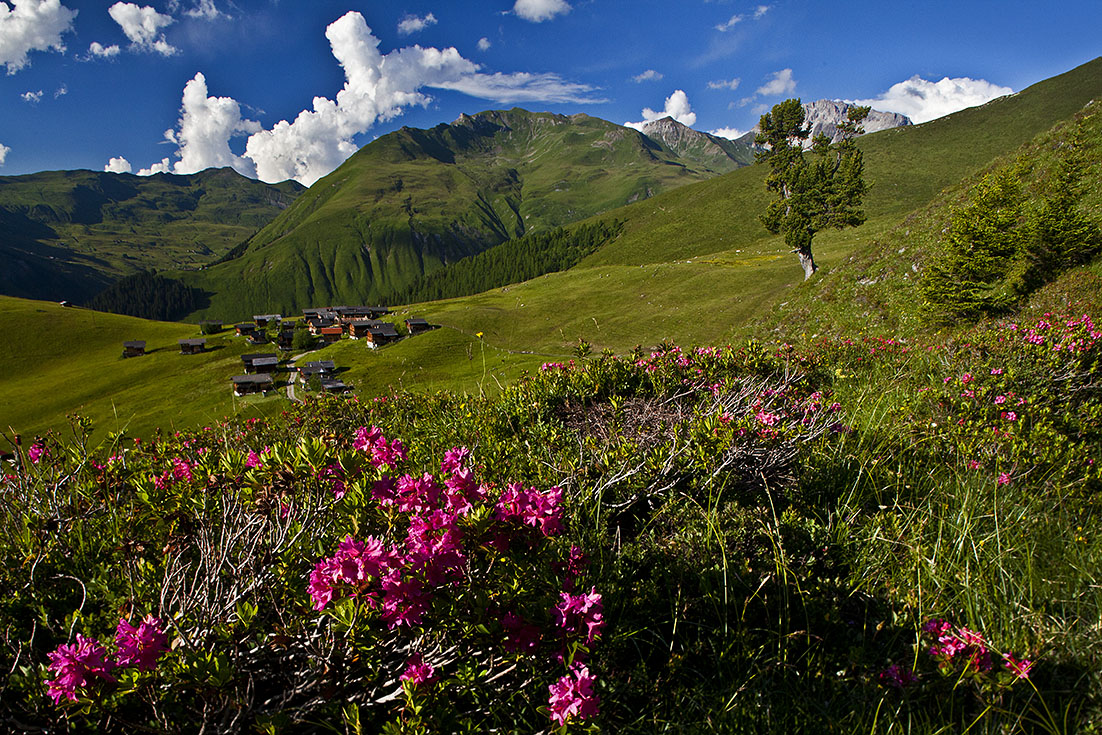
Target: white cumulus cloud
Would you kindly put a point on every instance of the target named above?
(4, 151)
(729, 133)
(922, 100)
(760, 11)
(781, 82)
(31, 25)
(377, 87)
(99, 51)
(413, 24)
(204, 131)
(677, 107)
(483, 44)
(32, 97)
(118, 165)
(142, 25)
(650, 75)
(538, 11)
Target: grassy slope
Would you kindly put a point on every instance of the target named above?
(416, 199)
(745, 282)
(96, 227)
(66, 360)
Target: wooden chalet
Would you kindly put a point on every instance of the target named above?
(245, 329)
(416, 325)
(333, 385)
(358, 329)
(264, 362)
(316, 368)
(263, 320)
(286, 339)
(331, 334)
(381, 334)
(347, 314)
(135, 348)
(192, 346)
(245, 384)
(317, 323)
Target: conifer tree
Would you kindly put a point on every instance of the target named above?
(819, 188)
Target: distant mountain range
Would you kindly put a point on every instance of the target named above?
(69, 234)
(824, 117)
(415, 200)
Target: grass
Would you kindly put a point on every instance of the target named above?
(69, 361)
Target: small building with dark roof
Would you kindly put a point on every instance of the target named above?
(381, 334)
(134, 348)
(416, 325)
(192, 346)
(245, 384)
(286, 339)
(264, 358)
(358, 329)
(263, 320)
(245, 329)
(333, 385)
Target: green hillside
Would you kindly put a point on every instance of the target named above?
(68, 234)
(62, 360)
(413, 200)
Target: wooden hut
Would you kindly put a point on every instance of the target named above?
(135, 348)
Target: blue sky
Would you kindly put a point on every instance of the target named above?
(288, 88)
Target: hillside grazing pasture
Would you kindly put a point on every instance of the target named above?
(62, 360)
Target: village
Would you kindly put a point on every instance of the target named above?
(318, 327)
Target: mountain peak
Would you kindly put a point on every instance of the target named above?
(824, 116)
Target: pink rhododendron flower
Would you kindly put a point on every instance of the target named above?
(454, 459)
(418, 672)
(37, 451)
(1020, 669)
(253, 460)
(141, 646)
(1003, 479)
(582, 613)
(572, 696)
(532, 508)
(74, 665)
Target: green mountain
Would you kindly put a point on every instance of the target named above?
(415, 200)
(69, 234)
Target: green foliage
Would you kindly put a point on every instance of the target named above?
(1017, 231)
(809, 196)
(510, 262)
(303, 340)
(149, 296)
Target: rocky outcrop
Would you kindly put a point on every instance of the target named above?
(824, 116)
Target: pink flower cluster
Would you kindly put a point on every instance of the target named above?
(383, 453)
(37, 451)
(580, 614)
(75, 666)
(181, 471)
(958, 647)
(530, 507)
(572, 696)
(418, 672)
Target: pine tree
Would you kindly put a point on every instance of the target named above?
(816, 189)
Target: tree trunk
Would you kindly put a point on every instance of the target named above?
(807, 262)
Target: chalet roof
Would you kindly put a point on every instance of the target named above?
(417, 321)
(384, 329)
(138, 344)
(362, 323)
(332, 330)
(258, 379)
(268, 317)
(320, 365)
(333, 384)
(250, 359)
(265, 362)
(192, 342)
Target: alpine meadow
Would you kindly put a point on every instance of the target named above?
(533, 422)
